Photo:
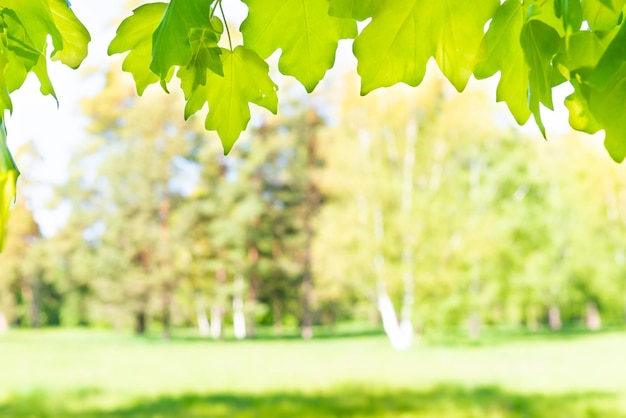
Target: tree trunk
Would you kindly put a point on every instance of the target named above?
(307, 314)
(202, 318)
(140, 322)
(473, 325)
(277, 310)
(239, 319)
(216, 322)
(166, 315)
(593, 320)
(253, 290)
(4, 324)
(554, 318)
(312, 201)
(218, 306)
(166, 262)
(400, 334)
(30, 290)
(474, 320)
(406, 312)
(83, 320)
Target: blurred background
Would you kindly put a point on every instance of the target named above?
(411, 253)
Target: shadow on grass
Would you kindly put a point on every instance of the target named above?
(441, 402)
(453, 337)
(320, 334)
(499, 336)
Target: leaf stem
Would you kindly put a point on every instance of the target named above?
(230, 41)
(213, 9)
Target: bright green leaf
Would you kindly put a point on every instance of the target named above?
(393, 47)
(20, 47)
(545, 12)
(8, 180)
(584, 52)
(245, 80)
(571, 13)
(502, 51)
(206, 55)
(580, 116)
(135, 35)
(607, 107)
(302, 29)
(353, 9)
(16, 73)
(403, 35)
(36, 16)
(602, 14)
(73, 33)
(170, 43)
(612, 60)
(41, 71)
(540, 43)
(5, 98)
(461, 32)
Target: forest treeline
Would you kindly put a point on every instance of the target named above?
(419, 210)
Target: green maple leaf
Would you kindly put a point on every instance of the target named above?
(502, 51)
(246, 80)
(302, 29)
(580, 116)
(581, 57)
(41, 71)
(353, 9)
(607, 107)
(19, 58)
(206, 55)
(75, 37)
(610, 63)
(19, 46)
(38, 21)
(8, 180)
(5, 99)
(602, 14)
(540, 43)
(135, 35)
(392, 48)
(521, 43)
(171, 44)
(571, 13)
(16, 73)
(403, 35)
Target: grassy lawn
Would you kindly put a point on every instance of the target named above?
(72, 374)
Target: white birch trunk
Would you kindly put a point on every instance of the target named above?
(406, 323)
(400, 331)
(474, 320)
(216, 322)
(400, 334)
(202, 318)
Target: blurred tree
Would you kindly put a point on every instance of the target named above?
(20, 281)
(136, 161)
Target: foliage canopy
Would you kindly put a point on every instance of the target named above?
(535, 45)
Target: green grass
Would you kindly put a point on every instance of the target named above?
(97, 374)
